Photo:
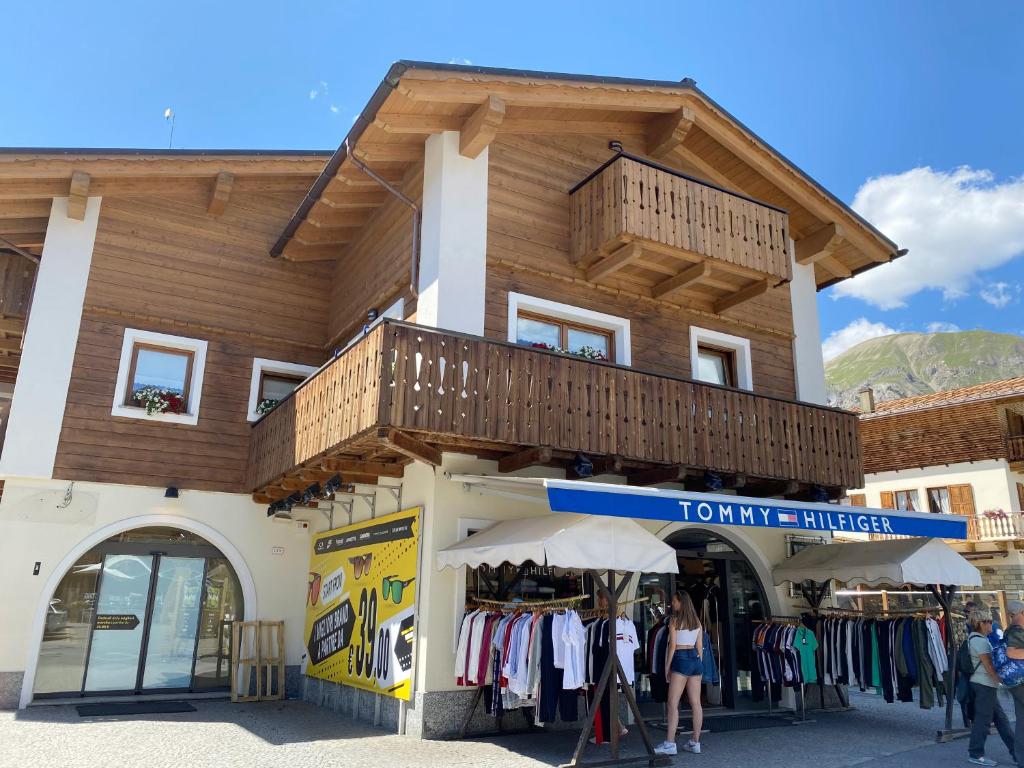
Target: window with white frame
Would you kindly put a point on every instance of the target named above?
(272, 381)
(720, 358)
(160, 377)
(563, 327)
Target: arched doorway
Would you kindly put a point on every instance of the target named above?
(730, 599)
(148, 610)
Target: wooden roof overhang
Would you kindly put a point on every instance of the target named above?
(677, 122)
(31, 177)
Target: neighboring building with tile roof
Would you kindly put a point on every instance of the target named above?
(955, 452)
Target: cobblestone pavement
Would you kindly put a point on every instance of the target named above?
(298, 735)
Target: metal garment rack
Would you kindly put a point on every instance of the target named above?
(613, 667)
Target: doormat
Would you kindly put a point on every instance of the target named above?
(121, 708)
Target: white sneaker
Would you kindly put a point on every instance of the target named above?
(665, 748)
(692, 746)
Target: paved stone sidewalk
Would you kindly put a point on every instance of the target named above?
(297, 735)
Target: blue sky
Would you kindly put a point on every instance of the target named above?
(902, 93)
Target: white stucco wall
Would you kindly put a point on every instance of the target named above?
(807, 359)
(992, 481)
(34, 529)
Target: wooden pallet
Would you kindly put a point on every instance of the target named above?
(257, 646)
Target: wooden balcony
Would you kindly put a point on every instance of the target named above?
(679, 237)
(404, 391)
(979, 528)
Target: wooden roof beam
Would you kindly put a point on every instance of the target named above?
(739, 297)
(407, 445)
(10, 345)
(834, 265)
(78, 195)
(12, 325)
(308, 234)
(673, 473)
(527, 457)
(369, 152)
(481, 127)
(322, 215)
(613, 262)
(424, 125)
(819, 244)
(689, 276)
(382, 468)
(296, 251)
(668, 132)
(220, 193)
(356, 198)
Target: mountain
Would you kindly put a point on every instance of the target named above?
(906, 364)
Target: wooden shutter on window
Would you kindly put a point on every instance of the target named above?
(858, 500)
(888, 499)
(961, 499)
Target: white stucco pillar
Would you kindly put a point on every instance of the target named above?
(807, 360)
(453, 253)
(41, 390)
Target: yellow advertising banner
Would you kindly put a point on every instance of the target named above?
(360, 605)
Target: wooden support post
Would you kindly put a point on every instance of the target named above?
(688, 276)
(613, 262)
(741, 296)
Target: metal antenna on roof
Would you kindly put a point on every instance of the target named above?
(169, 116)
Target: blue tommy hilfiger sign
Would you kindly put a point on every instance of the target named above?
(716, 509)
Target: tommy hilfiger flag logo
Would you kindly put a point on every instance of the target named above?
(788, 519)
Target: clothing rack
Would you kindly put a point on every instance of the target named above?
(509, 606)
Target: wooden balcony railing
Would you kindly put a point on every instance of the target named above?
(631, 199)
(1015, 448)
(457, 390)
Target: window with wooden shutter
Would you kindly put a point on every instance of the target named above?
(857, 500)
(888, 500)
(961, 499)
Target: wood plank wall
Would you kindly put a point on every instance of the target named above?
(967, 432)
(528, 241)
(374, 270)
(164, 264)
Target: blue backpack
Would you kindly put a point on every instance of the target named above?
(1010, 671)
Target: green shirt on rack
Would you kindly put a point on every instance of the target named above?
(806, 644)
(876, 670)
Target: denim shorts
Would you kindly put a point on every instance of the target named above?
(685, 661)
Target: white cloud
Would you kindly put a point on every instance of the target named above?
(853, 334)
(467, 62)
(956, 224)
(313, 93)
(335, 108)
(998, 294)
(317, 90)
(942, 327)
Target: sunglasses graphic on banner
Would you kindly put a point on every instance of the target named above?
(361, 565)
(392, 587)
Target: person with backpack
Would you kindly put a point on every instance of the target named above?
(984, 687)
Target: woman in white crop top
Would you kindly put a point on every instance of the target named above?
(683, 672)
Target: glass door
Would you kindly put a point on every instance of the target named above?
(173, 622)
(119, 623)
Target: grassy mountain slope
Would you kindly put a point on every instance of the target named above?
(906, 364)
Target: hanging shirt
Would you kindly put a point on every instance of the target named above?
(557, 628)
(806, 644)
(462, 648)
(573, 642)
(626, 644)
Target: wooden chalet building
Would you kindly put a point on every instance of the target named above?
(498, 272)
(959, 452)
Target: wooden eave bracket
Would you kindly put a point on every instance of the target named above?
(741, 296)
(528, 457)
(407, 445)
(819, 244)
(669, 131)
(220, 193)
(352, 466)
(78, 195)
(481, 127)
(614, 261)
(689, 276)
